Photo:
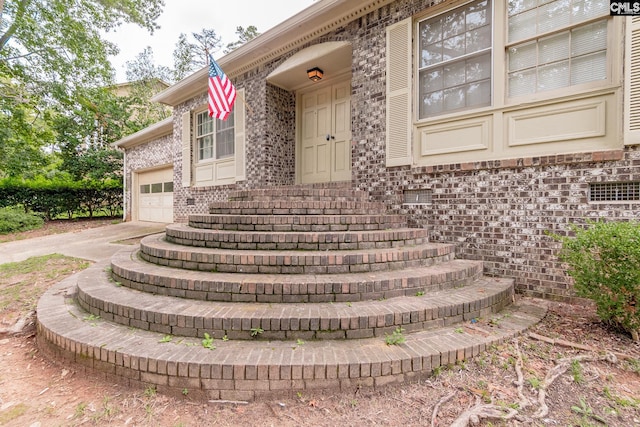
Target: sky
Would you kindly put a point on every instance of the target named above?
(189, 16)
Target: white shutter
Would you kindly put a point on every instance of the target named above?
(186, 149)
(632, 82)
(399, 122)
(239, 128)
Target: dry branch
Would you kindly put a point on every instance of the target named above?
(571, 344)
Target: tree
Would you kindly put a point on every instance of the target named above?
(189, 57)
(51, 51)
(244, 35)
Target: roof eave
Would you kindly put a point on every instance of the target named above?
(156, 130)
(312, 22)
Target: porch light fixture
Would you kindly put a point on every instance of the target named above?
(315, 74)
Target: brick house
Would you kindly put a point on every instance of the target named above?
(490, 122)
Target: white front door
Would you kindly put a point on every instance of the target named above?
(326, 134)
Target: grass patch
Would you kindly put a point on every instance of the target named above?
(22, 283)
(12, 413)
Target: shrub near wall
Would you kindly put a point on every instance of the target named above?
(57, 197)
(604, 261)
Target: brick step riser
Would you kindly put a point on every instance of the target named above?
(281, 324)
(286, 207)
(292, 290)
(296, 223)
(234, 240)
(299, 194)
(323, 264)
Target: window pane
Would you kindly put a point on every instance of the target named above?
(431, 54)
(432, 104)
(453, 47)
(523, 25)
(156, 188)
(554, 48)
(589, 38)
(454, 74)
(582, 10)
(168, 187)
(145, 189)
(478, 68)
(478, 15)
(454, 98)
(553, 76)
(523, 56)
(554, 15)
(224, 144)
(432, 79)
(479, 39)
(454, 24)
(479, 94)
(519, 6)
(431, 31)
(589, 68)
(522, 83)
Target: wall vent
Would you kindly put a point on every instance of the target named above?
(417, 197)
(614, 191)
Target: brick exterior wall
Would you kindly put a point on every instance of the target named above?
(498, 212)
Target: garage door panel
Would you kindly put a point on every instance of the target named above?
(155, 195)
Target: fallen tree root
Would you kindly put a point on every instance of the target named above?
(17, 328)
(562, 366)
(524, 402)
(436, 408)
(480, 411)
(571, 344)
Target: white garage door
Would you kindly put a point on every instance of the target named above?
(155, 195)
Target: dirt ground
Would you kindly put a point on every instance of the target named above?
(35, 391)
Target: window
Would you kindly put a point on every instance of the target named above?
(214, 137)
(455, 60)
(555, 44)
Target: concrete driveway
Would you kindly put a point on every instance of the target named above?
(95, 244)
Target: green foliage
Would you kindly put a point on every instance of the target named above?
(207, 342)
(604, 261)
(14, 219)
(256, 331)
(396, 338)
(55, 78)
(62, 195)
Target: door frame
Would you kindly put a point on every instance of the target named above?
(341, 78)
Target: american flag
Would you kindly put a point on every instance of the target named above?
(222, 93)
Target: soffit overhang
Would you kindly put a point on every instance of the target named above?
(148, 134)
(316, 20)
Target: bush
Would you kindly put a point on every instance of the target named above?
(15, 219)
(604, 261)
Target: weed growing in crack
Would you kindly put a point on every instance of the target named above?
(207, 342)
(396, 338)
(256, 331)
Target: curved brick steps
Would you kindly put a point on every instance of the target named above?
(156, 250)
(185, 235)
(297, 207)
(135, 273)
(315, 223)
(244, 370)
(103, 297)
(299, 193)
